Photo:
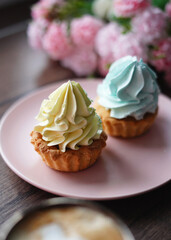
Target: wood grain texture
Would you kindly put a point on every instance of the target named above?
(22, 70)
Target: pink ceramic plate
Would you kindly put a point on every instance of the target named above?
(125, 168)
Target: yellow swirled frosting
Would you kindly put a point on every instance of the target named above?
(66, 118)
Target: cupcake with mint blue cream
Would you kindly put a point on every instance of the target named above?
(128, 98)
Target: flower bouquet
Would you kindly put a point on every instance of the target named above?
(88, 35)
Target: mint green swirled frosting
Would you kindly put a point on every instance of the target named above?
(129, 89)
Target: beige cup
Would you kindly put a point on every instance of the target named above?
(65, 219)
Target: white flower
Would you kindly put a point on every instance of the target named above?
(102, 8)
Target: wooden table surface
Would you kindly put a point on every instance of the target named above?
(23, 70)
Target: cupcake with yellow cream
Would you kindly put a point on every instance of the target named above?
(128, 98)
(69, 135)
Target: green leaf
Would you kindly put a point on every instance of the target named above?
(74, 9)
(124, 22)
(160, 3)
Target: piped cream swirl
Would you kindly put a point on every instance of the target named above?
(66, 118)
(129, 89)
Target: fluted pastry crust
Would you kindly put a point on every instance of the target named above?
(70, 160)
(126, 127)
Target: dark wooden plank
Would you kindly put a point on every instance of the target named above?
(148, 215)
(16, 194)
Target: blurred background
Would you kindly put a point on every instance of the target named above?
(14, 12)
(42, 65)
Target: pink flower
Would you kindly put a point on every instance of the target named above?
(150, 24)
(39, 11)
(128, 44)
(84, 30)
(104, 64)
(82, 61)
(128, 8)
(50, 3)
(161, 55)
(168, 9)
(36, 31)
(106, 38)
(56, 42)
(43, 7)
